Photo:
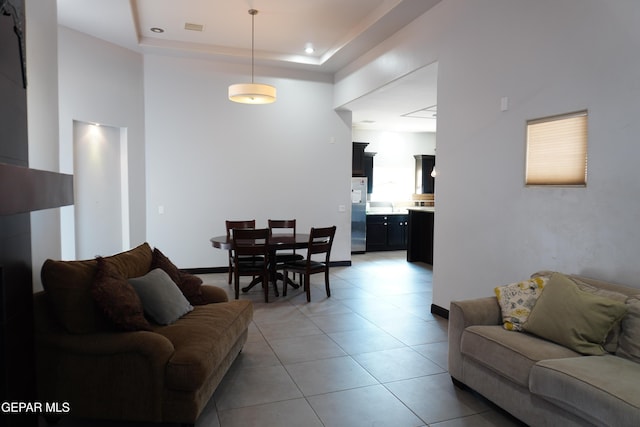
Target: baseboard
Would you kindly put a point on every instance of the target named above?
(214, 270)
(439, 311)
(340, 264)
(206, 270)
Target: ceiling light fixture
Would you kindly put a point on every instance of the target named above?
(252, 93)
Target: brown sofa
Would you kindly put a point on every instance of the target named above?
(540, 381)
(161, 373)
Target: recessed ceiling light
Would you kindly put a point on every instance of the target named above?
(309, 49)
(157, 30)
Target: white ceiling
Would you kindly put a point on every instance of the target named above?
(339, 30)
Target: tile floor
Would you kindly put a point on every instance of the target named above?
(371, 355)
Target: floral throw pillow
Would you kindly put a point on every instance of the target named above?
(517, 299)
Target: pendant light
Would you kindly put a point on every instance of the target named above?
(252, 93)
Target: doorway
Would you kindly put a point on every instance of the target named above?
(101, 210)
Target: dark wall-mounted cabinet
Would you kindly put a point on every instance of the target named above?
(425, 183)
(358, 159)
(368, 169)
(386, 232)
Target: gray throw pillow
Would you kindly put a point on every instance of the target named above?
(161, 298)
(573, 318)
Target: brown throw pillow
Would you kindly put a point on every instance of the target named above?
(188, 283)
(630, 337)
(117, 299)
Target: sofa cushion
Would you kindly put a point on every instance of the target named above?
(508, 354)
(134, 262)
(161, 298)
(117, 299)
(188, 283)
(517, 299)
(604, 388)
(201, 339)
(571, 317)
(629, 342)
(68, 287)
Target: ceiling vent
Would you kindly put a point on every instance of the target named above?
(193, 27)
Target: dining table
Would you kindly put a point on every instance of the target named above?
(277, 242)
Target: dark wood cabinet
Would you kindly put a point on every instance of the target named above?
(368, 169)
(397, 232)
(386, 232)
(420, 236)
(425, 183)
(357, 159)
(376, 232)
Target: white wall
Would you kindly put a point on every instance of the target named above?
(394, 164)
(99, 203)
(209, 159)
(42, 113)
(102, 83)
(552, 57)
(547, 57)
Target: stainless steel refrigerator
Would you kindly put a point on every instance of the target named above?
(358, 215)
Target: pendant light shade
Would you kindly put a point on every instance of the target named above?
(252, 93)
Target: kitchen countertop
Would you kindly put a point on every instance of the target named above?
(422, 208)
(383, 212)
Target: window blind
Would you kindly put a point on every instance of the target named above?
(557, 150)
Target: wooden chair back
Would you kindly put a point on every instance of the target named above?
(250, 241)
(231, 225)
(288, 225)
(320, 242)
(251, 256)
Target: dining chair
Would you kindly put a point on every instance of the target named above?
(251, 257)
(231, 225)
(286, 226)
(320, 242)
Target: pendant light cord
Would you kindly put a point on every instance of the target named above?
(253, 13)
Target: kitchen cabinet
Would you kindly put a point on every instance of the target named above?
(425, 183)
(368, 169)
(397, 232)
(387, 232)
(420, 235)
(358, 159)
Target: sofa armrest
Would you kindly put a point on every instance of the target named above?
(107, 375)
(149, 344)
(481, 311)
(210, 294)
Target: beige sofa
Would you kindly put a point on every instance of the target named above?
(544, 383)
(158, 373)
